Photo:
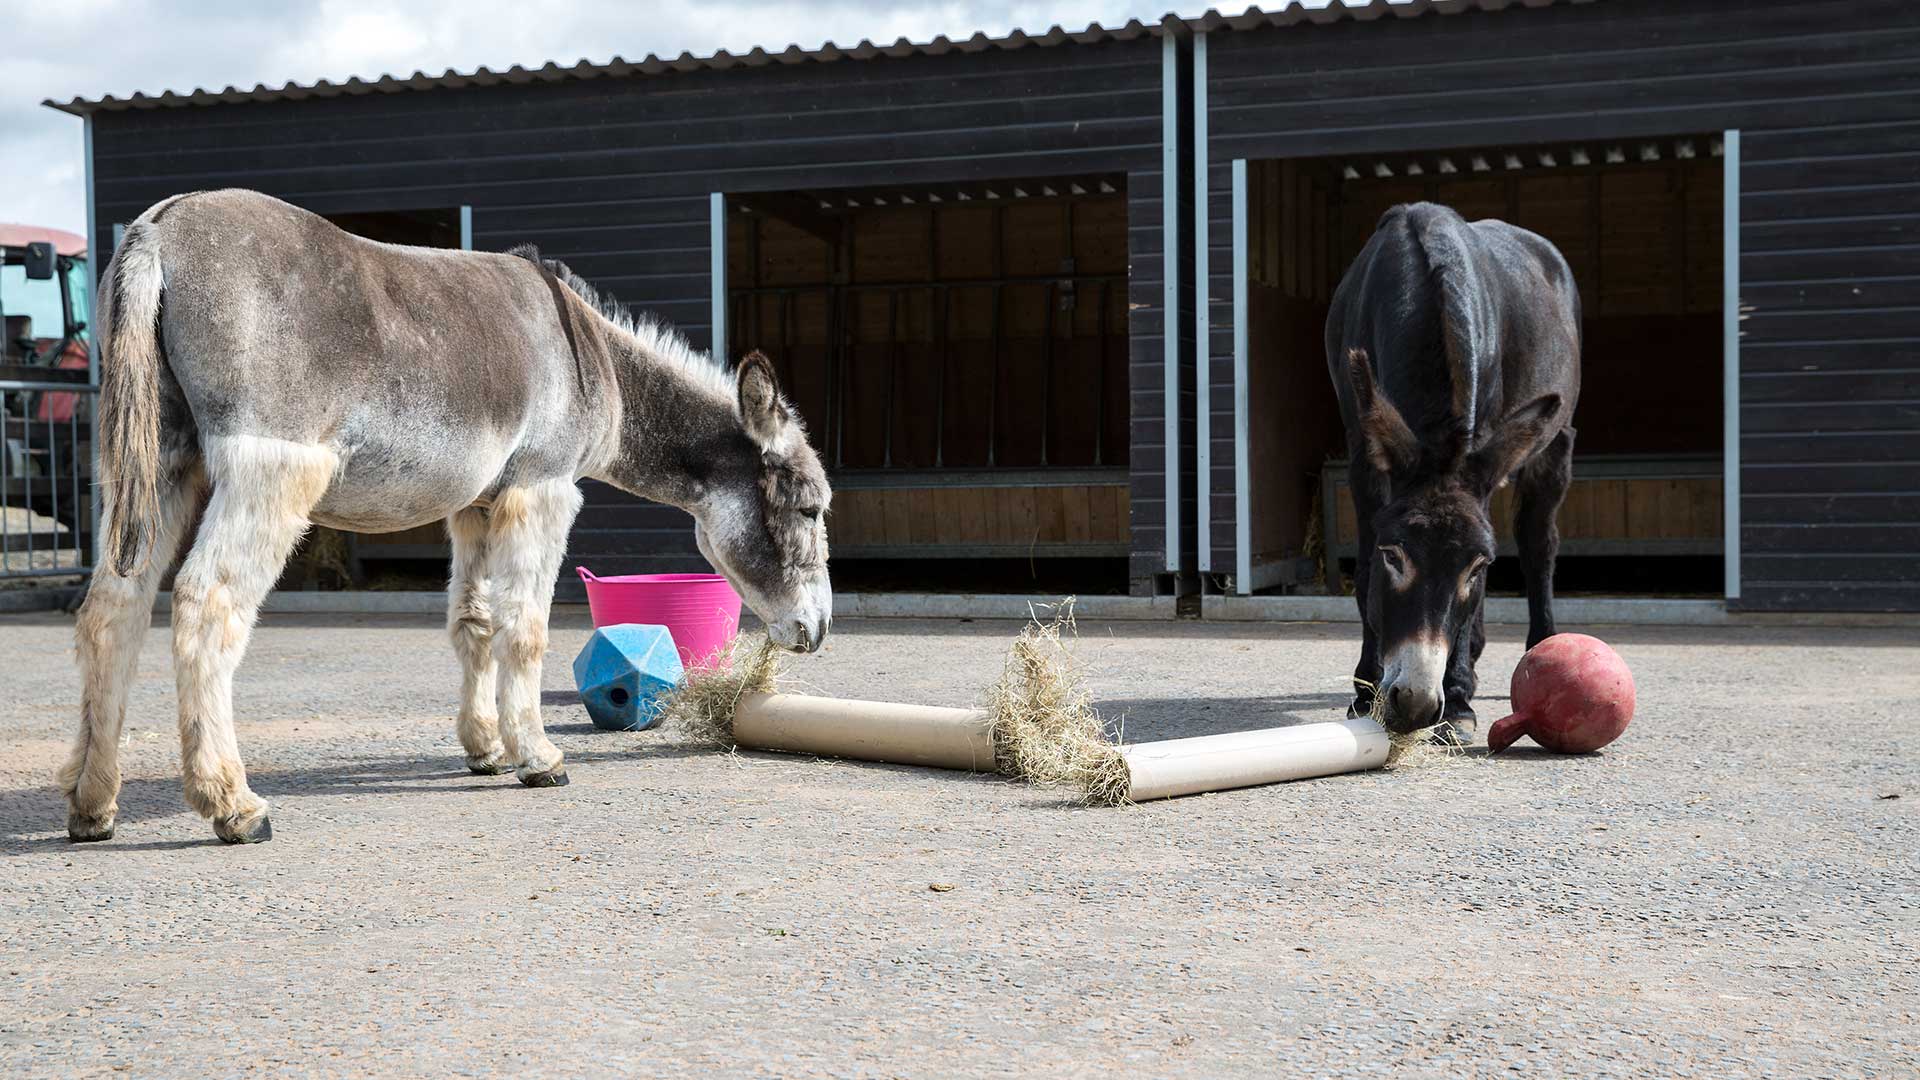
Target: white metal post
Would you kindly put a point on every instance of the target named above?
(466, 228)
(1730, 350)
(1202, 317)
(1242, 456)
(719, 242)
(1170, 287)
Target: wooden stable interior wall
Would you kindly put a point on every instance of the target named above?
(987, 337)
(1644, 240)
(1634, 506)
(942, 364)
(1003, 520)
(1294, 261)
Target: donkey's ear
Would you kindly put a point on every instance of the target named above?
(1391, 444)
(1514, 439)
(762, 412)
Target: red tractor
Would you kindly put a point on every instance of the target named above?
(45, 465)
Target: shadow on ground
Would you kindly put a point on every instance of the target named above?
(1148, 719)
(28, 814)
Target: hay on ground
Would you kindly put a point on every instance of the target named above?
(1416, 749)
(1409, 749)
(1044, 725)
(702, 706)
(1045, 728)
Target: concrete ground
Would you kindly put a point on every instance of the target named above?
(1729, 891)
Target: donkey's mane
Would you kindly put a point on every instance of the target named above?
(650, 333)
(1455, 278)
(1452, 274)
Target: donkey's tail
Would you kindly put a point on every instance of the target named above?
(130, 400)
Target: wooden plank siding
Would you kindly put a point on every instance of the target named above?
(1616, 507)
(1826, 94)
(1016, 521)
(975, 334)
(614, 175)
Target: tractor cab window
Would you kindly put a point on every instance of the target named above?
(77, 296)
(34, 313)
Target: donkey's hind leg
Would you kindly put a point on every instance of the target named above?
(109, 632)
(263, 491)
(527, 534)
(470, 624)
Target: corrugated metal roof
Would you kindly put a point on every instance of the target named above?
(1358, 10)
(618, 67)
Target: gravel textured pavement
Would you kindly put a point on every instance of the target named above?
(1729, 891)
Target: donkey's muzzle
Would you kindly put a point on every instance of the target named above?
(809, 639)
(1410, 709)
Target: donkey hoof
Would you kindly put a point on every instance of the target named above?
(1456, 730)
(491, 765)
(235, 830)
(1363, 698)
(86, 829)
(554, 777)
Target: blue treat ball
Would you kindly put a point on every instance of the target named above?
(623, 673)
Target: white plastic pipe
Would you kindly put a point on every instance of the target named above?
(1162, 770)
(866, 730)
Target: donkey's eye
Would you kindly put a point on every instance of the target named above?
(1475, 571)
(811, 513)
(1394, 558)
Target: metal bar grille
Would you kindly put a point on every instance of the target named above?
(936, 361)
(46, 517)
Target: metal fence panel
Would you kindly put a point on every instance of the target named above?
(46, 478)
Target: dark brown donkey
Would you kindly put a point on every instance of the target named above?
(1455, 349)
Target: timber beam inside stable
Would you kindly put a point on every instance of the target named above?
(800, 211)
(796, 207)
(1558, 157)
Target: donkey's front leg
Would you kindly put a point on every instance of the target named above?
(470, 625)
(1539, 490)
(1367, 489)
(1458, 720)
(526, 535)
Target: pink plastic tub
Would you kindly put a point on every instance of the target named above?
(701, 611)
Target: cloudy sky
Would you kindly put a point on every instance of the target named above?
(66, 48)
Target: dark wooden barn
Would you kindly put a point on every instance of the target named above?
(1736, 184)
(953, 251)
(975, 264)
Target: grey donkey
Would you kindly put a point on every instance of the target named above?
(264, 370)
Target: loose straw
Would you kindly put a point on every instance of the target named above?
(1408, 749)
(702, 707)
(1045, 728)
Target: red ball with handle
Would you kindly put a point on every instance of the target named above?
(1571, 693)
